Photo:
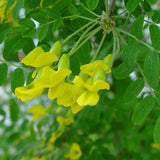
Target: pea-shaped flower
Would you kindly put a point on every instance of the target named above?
(75, 152)
(38, 58)
(26, 93)
(38, 111)
(93, 67)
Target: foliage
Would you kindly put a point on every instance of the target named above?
(79, 79)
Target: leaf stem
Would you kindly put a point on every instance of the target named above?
(140, 41)
(11, 64)
(100, 45)
(140, 69)
(93, 13)
(82, 36)
(92, 33)
(107, 11)
(80, 29)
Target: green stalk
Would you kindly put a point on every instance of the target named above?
(11, 64)
(140, 41)
(107, 11)
(80, 29)
(92, 34)
(100, 45)
(88, 9)
(140, 69)
(82, 36)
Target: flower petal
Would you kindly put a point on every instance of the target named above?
(28, 92)
(88, 98)
(100, 84)
(76, 108)
(91, 68)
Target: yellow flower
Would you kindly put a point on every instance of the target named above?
(51, 78)
(90, 94)
(76, 107)
(8, 17)
(38, 111)
(67, 119)
(26, 93)
(39, 58)
(75, 152)
(37, 158)
(156, 146)
(65, 93)
(93, 67)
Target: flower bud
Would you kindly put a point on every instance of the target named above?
(83, 76)
(99, 75)
(107, 59)
(64, 61)
(56, 48)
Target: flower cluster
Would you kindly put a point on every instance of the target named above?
(7, 17)
(78, 93)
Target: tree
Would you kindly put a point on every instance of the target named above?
(79, 79)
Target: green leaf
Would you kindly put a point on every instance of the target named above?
(92, 4)
(146, 6)
(40, 17)
(137, 27)
(17, 79)
(2, 112)
(53, 13)
(56, 4)
(142, 109)
(82, 56)
(16, 9)
(134, 89)
(29, 78)
(57, 24)
(3, 73)
(155, 34)
(137, 11)
(122, 71)
(11, 47)
(43, 32)
(14, 110)
(131, 51)
(152, 1)
(151, 69)
(28, 4)
(26, 22)
(156, 133)
(131, 5)
(29, 32)
(156, 16)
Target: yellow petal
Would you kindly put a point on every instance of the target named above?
(39, 58)
(56, 91)
(30, 58)
(76, 108)
(88, 98)
(67, 120)
(100, 84)
(75, 152)
(28, 92)
(45, 59)
(38, 111)
(91, 68)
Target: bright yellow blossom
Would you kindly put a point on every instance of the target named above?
(39, 58)
(26, 93)
(50, 78)
(75, 152)
(8, 17)
(67, 119)
(93, 67)
(38, 111)
(90, 95)
(156, 146)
